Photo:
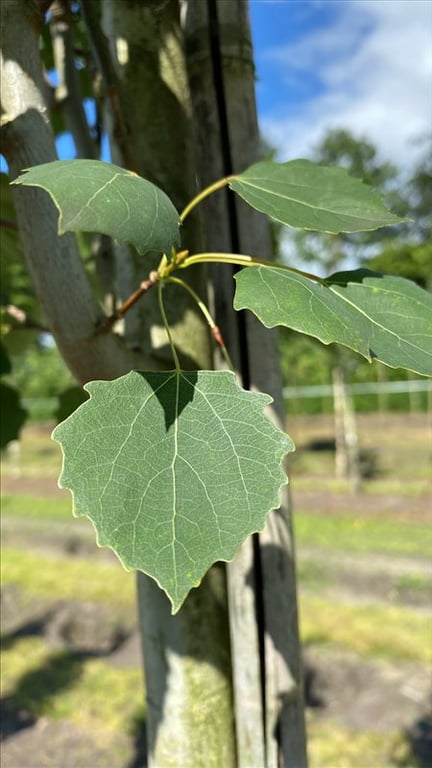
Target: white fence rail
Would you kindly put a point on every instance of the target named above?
(319, 390)
(378, 387)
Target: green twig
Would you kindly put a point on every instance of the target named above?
(242, 260)
(205, 193)
(167, 328)
(214, 328)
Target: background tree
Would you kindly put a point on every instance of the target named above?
(360, 158)
(409, 254)
(392, 251)
(404, 251)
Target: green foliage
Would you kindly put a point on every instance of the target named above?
(100, 197)
(13, 415)
(69, 400)
(413, 261)
(369, 629)
(357, 155)
(404, 250)
(39, 371)
(420, 196)
(174, 469)
(5, 363)
(15, 283)
(360, 160)
(381, 317)
(305, 195)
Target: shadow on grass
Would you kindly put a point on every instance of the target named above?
(32, 627)
(368, 457)
(419, 740)
(36, 688)
(139, 736)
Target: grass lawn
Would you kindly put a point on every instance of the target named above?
(57, 684)
(108, 702)
(37, 508)
(363, 534)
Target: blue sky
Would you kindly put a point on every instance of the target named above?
(365, 65)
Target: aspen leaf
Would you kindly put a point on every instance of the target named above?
(92, 196)
(380, 316)
(309, 196)
(175, 470)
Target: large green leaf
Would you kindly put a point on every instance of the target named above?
(92, 196)
(174, 469)
(380, 316)
(302, 194)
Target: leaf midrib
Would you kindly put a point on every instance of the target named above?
(261, 271)
(309, 205)
(376, 323)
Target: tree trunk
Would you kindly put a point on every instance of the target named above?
(189, 719)
(189, 713)
(71, 309)
(263, 610)
(190, 716)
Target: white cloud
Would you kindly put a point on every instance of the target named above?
(373, 64)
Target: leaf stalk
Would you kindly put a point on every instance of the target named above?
(243, 260)
(214, 328)
(167, 328)
(205, 193)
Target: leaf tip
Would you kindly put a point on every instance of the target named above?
(21, 178)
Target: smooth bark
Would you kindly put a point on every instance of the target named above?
(189, 717)
(54, 263)
(189, 675)
(263, 607)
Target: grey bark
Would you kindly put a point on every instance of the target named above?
(187, 657)
(266, 654)
(189, 716)
(54, 263)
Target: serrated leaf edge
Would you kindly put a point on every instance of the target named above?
(266, 400)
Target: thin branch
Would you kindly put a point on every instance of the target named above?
(108, 71)
(167, 327)
(108, 322)
(68, 94)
